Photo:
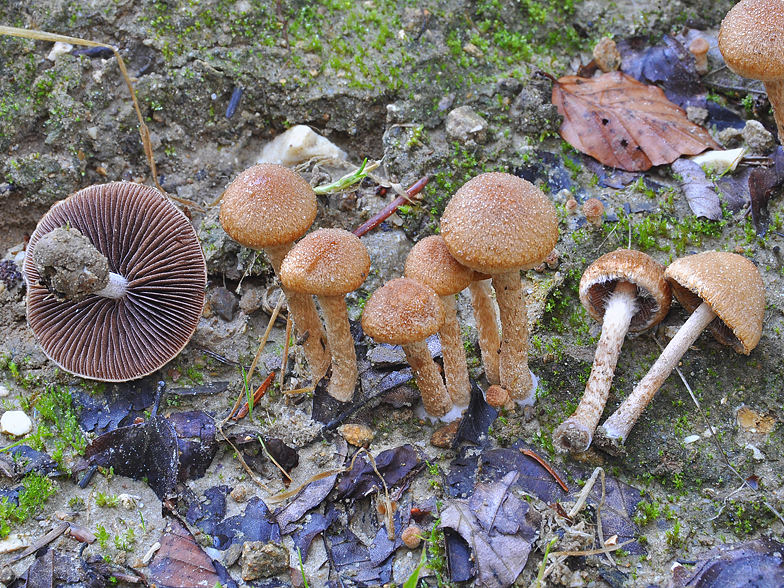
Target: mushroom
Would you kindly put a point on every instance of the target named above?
(699, 47)
(268, 207)
(430, 263)
(593, 209)
(330, 263)
(751, 40)
(626, 291)
(126, 280)
(405, 312)
(499, 224)
(721, 290)
(486, 317)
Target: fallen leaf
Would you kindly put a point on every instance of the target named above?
(181, 562)
(493, 524)
(624, 123)
(763, 183)
(395, 466)
(477, 420)
(698, 189)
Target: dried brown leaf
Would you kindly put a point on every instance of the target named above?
(624, 123)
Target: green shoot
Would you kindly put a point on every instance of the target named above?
(542, 567)
(302, 568)
(348, 180)
(413, 579)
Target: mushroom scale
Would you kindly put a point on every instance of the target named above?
(150, 243)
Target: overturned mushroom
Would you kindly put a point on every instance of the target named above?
(330, 263)
(499, 224)
(430, 263)
(268, 207)
(116, 281)
(405, 312)
(723, 291)
(626, 290)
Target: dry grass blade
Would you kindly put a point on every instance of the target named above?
(624, 123)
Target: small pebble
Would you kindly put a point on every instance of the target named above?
(241, 493)
(263, 560)
(4, 391)
(16, 423)
(445, 436)
(356, 435)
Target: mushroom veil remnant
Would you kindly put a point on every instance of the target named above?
(722, 291)
(626, 290)
(116, 280)
(330, 263)
(406, 312)
(499, 224)
(751, 40)
(268, 207)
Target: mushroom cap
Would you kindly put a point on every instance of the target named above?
(593, 208)
(731, 285)
(327, 262)
(497, 223)
(751, 39)
(653, 292)
(267, 205)
(699, 46)
(402, 311)
(430, 262)
(149, 242)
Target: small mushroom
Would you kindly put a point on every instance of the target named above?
(115, 282)
(593, 209)
(268, 207)
(721, 290)
(405, 312)
(330, 263)
(626, 290)
(752, 44)
(499, 224)
(486, 317)
(699, 47)
(430, 263)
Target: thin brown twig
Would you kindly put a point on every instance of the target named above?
(257, 395)
(391, 208)
(546, 466)
(272, 459)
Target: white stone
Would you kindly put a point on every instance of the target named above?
(14, 542)
(4, 391)
(691, 439)
(719, 162)
(298, 145)
(756, 454)
(59, 49)
(16, 423)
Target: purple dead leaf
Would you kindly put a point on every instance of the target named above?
(395, 466)
(181, 562)
(698, 189)
(309, 497)
(493, 524)
(763, 183)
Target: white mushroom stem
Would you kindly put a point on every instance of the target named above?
(775, 90)
(435, 398)
(341, 344)
(306, 318)
(116, 288)
(576, 432)
(487, 326)
(455, 366)
(514, 372)
(617, 427)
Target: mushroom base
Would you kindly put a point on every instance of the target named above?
(572, 436)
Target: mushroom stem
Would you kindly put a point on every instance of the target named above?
(344, 358)
(116, 288)
(576, 432)
(615, 429)
(435, 398)
(455, 365)
(487, 326)
(775, 90)
(306, 318)
(514, 372)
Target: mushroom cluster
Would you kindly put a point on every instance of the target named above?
(115, 282)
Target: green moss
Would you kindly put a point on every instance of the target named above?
(36, 491)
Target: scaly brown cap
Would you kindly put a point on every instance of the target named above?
(751, 39)
(430, 263)
(733, 287)
(267, 205)
(497, 223)
(653, 292)
(327, 262)
(149, 242)
(402, 311)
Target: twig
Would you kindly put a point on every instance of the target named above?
(599, 521)
(284, 361)
(544, 464)
(584, 494)
(265, 337)
(391, 208)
